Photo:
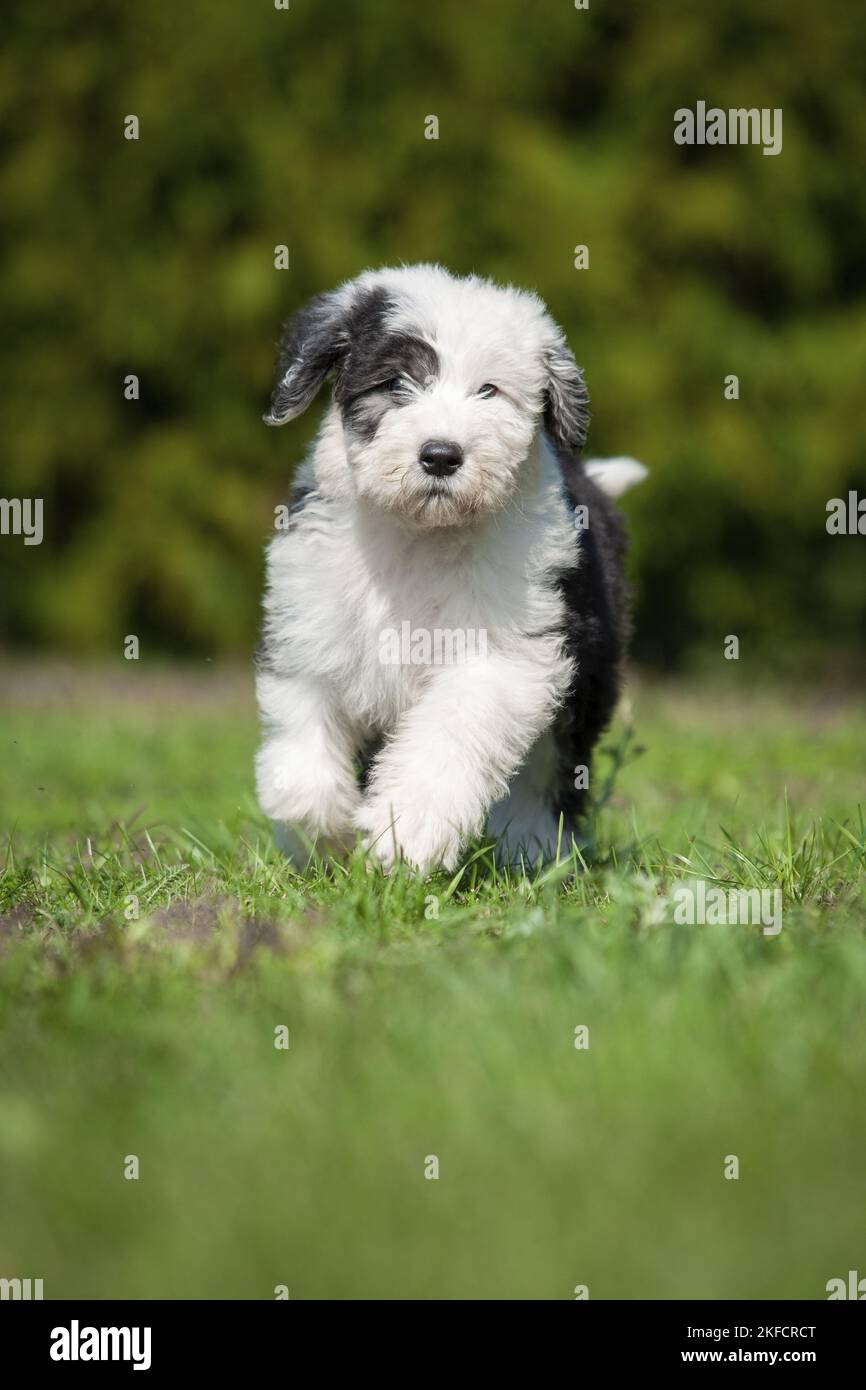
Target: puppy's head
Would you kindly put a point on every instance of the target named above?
(439, 387)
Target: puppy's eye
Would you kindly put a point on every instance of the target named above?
(487, 390)
(397, 383)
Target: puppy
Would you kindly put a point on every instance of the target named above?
(445, 612)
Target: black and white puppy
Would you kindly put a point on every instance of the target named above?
(445, 613)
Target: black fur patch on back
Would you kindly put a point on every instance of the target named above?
(596, 634)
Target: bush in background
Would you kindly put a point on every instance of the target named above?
(306, 127)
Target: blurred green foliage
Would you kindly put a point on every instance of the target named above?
(306, 127)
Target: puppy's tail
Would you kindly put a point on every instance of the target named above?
(615, 476)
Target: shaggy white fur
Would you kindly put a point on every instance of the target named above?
(380, 542)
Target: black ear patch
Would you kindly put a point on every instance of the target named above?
(310, 347)
(566, 415)
(315, 343)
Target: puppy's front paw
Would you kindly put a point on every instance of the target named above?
(421, 838)
(321, 800)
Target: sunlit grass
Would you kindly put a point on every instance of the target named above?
(152, 939)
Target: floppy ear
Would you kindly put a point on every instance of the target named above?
(312, 345)
(566, 415)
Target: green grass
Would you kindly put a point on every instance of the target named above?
(425, 1019)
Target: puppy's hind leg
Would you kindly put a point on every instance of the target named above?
(524, 822)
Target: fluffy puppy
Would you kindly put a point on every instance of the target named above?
(445, 611)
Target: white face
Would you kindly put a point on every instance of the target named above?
(447, 435)
(441, 385)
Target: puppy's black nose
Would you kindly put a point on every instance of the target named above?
(439, 457)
